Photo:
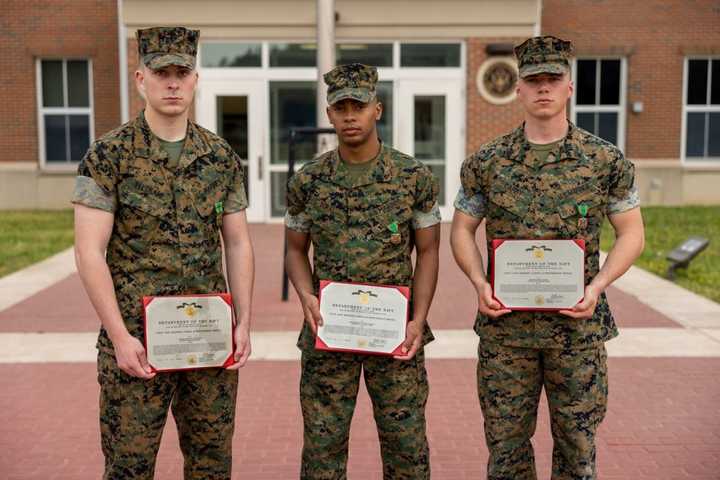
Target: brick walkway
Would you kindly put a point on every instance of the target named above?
(663, 420)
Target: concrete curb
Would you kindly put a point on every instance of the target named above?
(449, 344)
(18, 286)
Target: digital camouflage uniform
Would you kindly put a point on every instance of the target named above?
(165, 241)
(521, 196)
(348, 220)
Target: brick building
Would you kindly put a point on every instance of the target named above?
(647, 77)
(59, 73)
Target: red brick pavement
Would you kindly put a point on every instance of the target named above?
(663, 423)
(663, 420)
(64, 307)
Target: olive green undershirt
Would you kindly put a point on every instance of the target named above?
(357, 170)
(174, 150)
(543, 150)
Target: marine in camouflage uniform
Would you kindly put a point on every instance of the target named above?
(349, 217)
(562, 191)
(165, 241)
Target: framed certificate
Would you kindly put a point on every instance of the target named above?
(188, 332)
(538, 274)
(362, 318)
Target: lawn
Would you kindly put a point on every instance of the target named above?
(665, 229)
(30, 236)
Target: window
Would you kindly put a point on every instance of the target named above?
(292, 104)
(430, 55)
(429, 136)
(702, 109)
(385, 124)
(599, 98)
(287, 73)
(293, 54)
(376, 54)
(227, 55)
(65, 104)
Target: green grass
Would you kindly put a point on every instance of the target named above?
(665, 229)
(30, 236)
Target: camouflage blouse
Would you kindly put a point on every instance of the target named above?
(566, 196)
(361, 228)
(167, 222)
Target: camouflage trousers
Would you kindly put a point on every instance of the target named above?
(510, 380)
(133, 412)
(328, 390)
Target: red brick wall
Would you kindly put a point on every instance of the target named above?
(486, 121)
(655, 36)
(136, 101)
(32, 29)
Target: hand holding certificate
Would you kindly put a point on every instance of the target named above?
(362, 318)
(189, 332)
(538, 274)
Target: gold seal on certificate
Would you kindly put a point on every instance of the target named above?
(189, 332)
(538, 274)
(362, 318)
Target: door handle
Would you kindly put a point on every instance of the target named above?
(260, 167)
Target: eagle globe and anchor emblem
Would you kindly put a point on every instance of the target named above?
(496, 80)
(364, 296)
(189, 309)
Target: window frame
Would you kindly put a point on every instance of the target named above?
(394, 74)
(42, 111)
(620, 109)
(684, 159)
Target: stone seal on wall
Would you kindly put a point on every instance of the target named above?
(496, 80)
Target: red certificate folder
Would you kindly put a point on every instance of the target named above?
(225, 297)
(498, 242)
(404, 291)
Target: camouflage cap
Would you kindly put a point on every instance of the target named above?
(546, 54)
(159, 47)
(356, 81)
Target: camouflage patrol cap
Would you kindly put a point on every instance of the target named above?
(546, 54)
(356, 81)
(159, 47)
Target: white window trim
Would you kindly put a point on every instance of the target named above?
(620, 109)
(695, 161)
(71, 165)
(394, 74)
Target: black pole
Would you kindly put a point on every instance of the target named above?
(291, 171)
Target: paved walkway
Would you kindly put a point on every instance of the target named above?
(663, 420)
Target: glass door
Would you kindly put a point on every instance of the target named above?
(236, 112)
(432, 131)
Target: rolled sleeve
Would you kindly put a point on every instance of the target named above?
(296, 218)
(475, 205)
(95, 184)
(471, 198)
(426, 192)
(237, 198)
(623, 192)
(426, 219)
(619, 205)
(299, 223)
(87, 192)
